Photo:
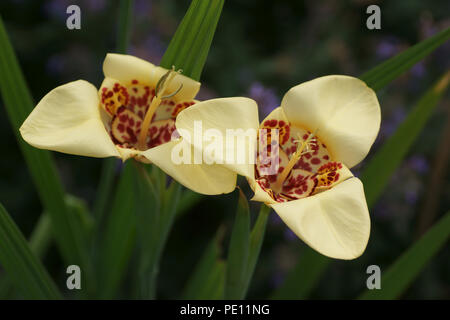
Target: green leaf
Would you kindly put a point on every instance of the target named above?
(155, 220)
(41, 236)
(256, 240)
(190, 45)
(409, 265)
(188, 200)
(377, 172)
(302, 279)
(383, 74)
(19, 104)
(124, 25)
(105, 187)
(238, 251)
(118, 239)
(24, 269)
(39, 242)
(208, 275)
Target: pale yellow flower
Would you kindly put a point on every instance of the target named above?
(78, 119)
(326, 126)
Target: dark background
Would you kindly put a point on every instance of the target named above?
(261, 49)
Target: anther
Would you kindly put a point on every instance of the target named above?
(303, 147)
(160, 89)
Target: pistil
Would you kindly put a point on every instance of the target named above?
(302, 148)
(160, 89)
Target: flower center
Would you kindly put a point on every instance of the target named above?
(140, 116)
(303, 147)
(305, 165)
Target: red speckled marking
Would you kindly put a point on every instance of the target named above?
(328, 174)
(314, 172)
(180, 107)
(128, 104)
(282, 126)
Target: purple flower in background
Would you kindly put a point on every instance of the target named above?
(411, 196)
(266, 98)
(418, 70)
(142, 8)
(95, 5)
(150, 49)
(382, 210)
(389, 125)
(419, 164)
(387, 47)
(57, 8)
(289, 235)
(277, 279)
(275, 219)
(55, 64)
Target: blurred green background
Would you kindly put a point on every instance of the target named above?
(260, 50)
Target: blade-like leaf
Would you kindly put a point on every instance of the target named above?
(124, 26)
(153, 225)
(105, 187)
(190, 45)
(377, 172)
(302, 279)
(208, 273)
(238, 251)
(119, 236)
(188, 199)
(19, 104)
(256, 240)
(403, 272)
(41, 236)
(23, 268)
(383, 74)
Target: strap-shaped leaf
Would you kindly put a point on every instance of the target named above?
(377, 172)
(25, 271)
(256, 240)
(118, 239)
(190, 45)
(409, 265)
(302, 279)
(238, 251)
(208, 274)
(105, 187)
(378, 77)
(18, 103)
(155, 217)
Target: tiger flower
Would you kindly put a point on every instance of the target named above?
(325, 127)
(133, 115)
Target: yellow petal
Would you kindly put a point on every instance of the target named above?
(336, 222)
(126, 68)
(68, 120)
(343, 109)
(277, 114)
(259, 194)
(201, 178)
(240, 115)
